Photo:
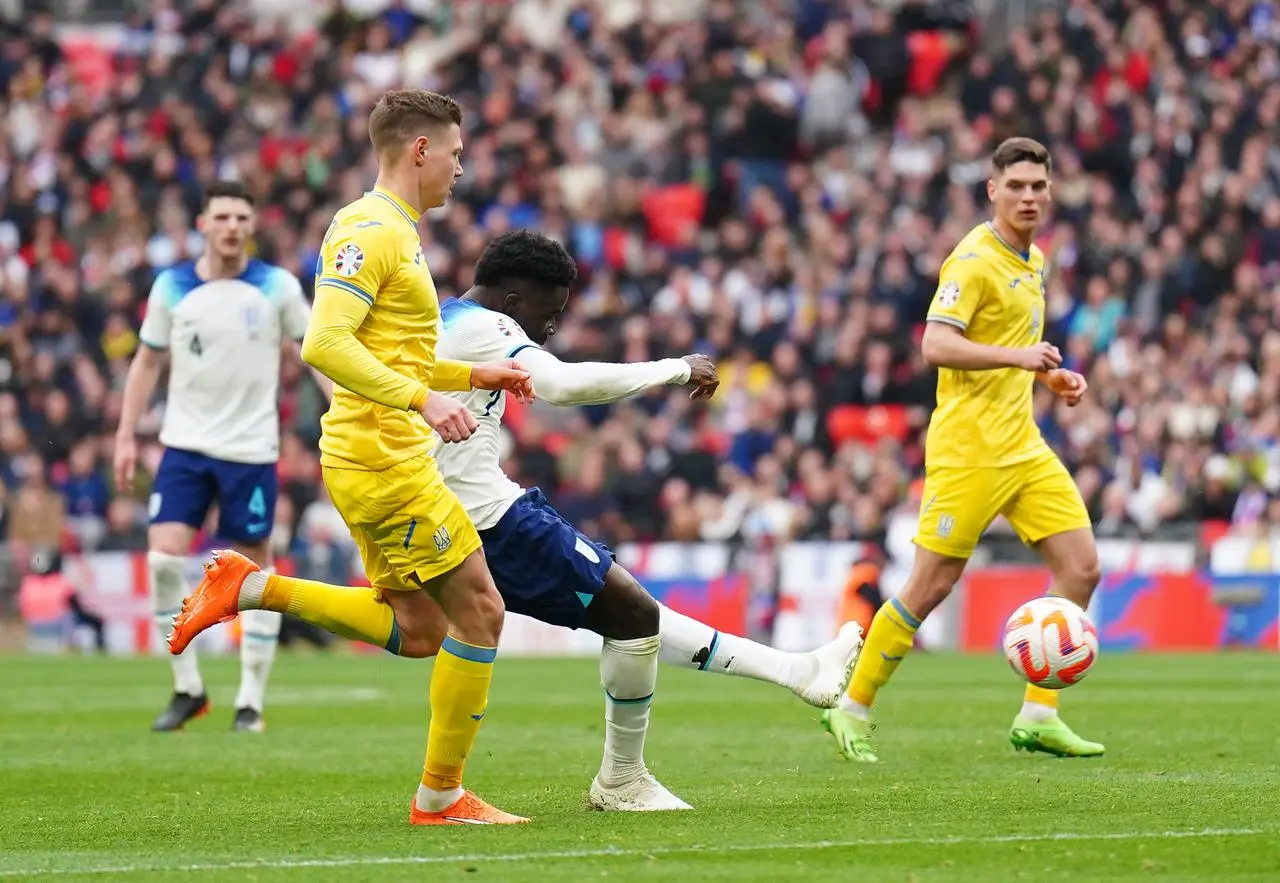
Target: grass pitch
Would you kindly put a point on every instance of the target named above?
(1186, 792)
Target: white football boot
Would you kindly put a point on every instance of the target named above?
(832, 668)
(645, 794)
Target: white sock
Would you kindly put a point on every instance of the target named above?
(691, 644)
(168, 588)
(431, 800)
(857, 709)
(629, 671)
(259, 630)
(1038, 712)
(251, 591)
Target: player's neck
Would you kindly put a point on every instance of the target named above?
(211, 266)
(1021, 242)
(485, 297)
(401, 187)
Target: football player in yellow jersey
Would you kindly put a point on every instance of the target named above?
(984, 455)
(373, 332)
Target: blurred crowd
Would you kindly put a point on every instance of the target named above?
(776, 182)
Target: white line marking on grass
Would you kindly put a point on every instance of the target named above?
(374, 860)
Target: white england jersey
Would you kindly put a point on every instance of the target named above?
(472, 333)
(473, 469)
(224, 338)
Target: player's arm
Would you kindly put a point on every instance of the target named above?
(596, 383)
(343, 300)
(144, 375)
(961, 289)
(295, 318)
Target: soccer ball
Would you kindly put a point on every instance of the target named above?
(1050, 642)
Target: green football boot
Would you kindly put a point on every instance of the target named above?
(852, 735)
(1051, 736)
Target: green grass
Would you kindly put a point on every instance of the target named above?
(1187, 791)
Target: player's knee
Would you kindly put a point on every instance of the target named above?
(170, 539)
(623, 610)
(476, 610)
(1080, 579)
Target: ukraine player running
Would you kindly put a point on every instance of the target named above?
(222, 320)
(984, 455)
(374, 333)
(545, 568)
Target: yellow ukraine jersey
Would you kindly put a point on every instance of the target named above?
(372, 251)
(996, 296)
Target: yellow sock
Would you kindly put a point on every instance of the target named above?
(891, 635)
(350, 612)
(1041, 696)
(459, 695)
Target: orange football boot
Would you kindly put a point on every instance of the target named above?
(215, 600)
(466, 810)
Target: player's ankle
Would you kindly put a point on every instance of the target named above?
(431, 800)
(854, 708)
(251, 591)
(1038, 712)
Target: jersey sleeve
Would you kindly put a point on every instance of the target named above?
(295, 312)
(962, 286)
(158, 323)
(357, 259)
(483, 336)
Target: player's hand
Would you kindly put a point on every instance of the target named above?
(1044, 356)
(1067, 384)
(507, 374)
(703, 376)
(448, 417)
(124, 461)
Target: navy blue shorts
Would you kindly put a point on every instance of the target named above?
(542, 566)
(187, 484)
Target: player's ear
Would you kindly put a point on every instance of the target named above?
(421, 145)
(991, 189)
(510, 302)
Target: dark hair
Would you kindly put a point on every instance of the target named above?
(1015, 150)
(233, 189)
(525, 256)
(402, 114)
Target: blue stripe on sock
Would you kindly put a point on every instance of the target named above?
(484, 655)
(711, 651)
(640, 701)
(906, 614)
(251, 636)
(393, 642)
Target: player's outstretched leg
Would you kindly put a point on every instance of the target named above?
(168, 588)
(891, 636)
(627, 616)
(233, 583)
(1073, 558)
(819, 677)
(459, 692)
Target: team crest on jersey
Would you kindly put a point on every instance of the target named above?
(949, 294)
(348, 260)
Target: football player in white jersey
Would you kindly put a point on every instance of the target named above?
(545, 568)
(222, 321)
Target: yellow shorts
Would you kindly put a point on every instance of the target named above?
(1038, 498)
(408, 526)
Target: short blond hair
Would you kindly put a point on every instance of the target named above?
(402, 114)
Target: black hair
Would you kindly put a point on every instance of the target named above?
(233, 189)
(525, 256)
